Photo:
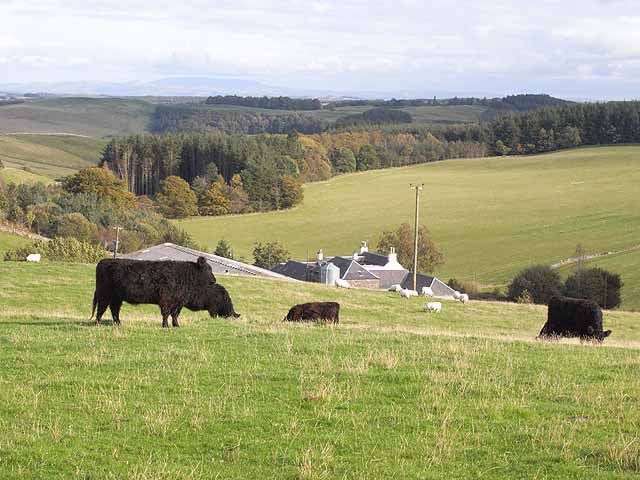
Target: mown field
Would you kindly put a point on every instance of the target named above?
(490, 217)
(52, 156)
(96, 117)
(628, 266)
(392, 392)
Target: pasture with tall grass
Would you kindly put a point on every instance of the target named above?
(391, 392)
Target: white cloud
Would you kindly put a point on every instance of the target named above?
(386, 44)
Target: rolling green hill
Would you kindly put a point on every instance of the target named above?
(50, 156)
(81, 116)
(490, 217)
(391, 392)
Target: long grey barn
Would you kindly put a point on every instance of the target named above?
(219, 265)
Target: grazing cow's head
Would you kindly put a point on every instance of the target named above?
(219, 302)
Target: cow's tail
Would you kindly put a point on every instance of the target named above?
(95, 302)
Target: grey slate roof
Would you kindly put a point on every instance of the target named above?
(440, 289)
(219, 265)
(298, 270)
(373, 258)
(352, 270)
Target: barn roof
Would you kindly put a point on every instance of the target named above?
(293, 269)
(219, 265)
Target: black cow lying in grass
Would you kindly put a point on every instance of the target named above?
(168, 284)
(314, 312)
(574, 317)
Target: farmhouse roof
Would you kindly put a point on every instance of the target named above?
(351, 270)
(293, 269)
(219, 265)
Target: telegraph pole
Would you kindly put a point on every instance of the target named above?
(116, 241)
(417, 187)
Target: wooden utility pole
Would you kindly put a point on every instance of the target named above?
(417, 187)
(116, 242)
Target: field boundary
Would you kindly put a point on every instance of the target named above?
(569, 261)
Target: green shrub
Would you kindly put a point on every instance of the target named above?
(470, 287)
(59, 250)
(541, 282)
(595, 284)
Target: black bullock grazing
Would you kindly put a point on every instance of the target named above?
(574, 317)
(170, 285)
(313, 312)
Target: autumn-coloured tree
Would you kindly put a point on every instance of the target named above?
(214, 202)
(402, 240)
(176, 199)
(101, 182)
(291, 192)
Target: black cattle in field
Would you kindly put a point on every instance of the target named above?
(314, 312)
(170, 285)
(574, 317)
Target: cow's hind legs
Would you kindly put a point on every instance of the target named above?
(174, 317)
(115, 311)
(102, 307)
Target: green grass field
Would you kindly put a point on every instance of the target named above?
(51, 156)
(490, 217)
(96, 117)
(392, 392)
(628, 266)
(8, 241)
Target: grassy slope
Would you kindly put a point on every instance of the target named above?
(423, 114)
(390, 393)
(8, 241)
(82, 116)
(628, 266)
(52, 156)
(491, 216)
(17, 175)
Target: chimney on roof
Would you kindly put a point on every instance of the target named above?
(320, 256)
(392, 260)
(363, 247)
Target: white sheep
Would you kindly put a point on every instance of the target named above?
(34, 257)
(340, 283)
(464, 298)
(427, 292)
(395, 288)
(406, 293)
(433, 307)
(456, 295)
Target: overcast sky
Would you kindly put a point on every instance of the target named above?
(571, 48)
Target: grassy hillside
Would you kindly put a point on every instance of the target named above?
(18, 175)
(628, 266)
(8, 241)
(52, 156)
(390, 393)
(422, 114)
(489, 216)
(82, 116)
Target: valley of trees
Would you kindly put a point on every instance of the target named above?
(202, 119)
(275, 103)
